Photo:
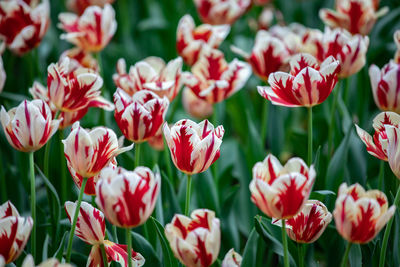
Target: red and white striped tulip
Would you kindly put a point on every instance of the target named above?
(127, 198)
(191, 39)
(281, 191)
(52, 262)
(195, 241)
(150, 74)
(360, 215)
(91, 31)
(309, 224)
(80, 58)
(213, 79)
(14, 232)
(139, 116)
(157, 141)
(393, 148)
(358, 17)
(307, 85)
(195, 106)
(232, 259)
(377, 144)
(396, 37)
(23, 24)
(79, 6)
(29, 126)
(218, 12)
(194, 147)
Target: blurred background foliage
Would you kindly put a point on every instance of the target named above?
(148, 28)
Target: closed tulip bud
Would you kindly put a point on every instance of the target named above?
(232, 259)
(23, 24)
(194, 147)
(79, 6)
(139, 117)
(194, 106)
(195, 241)
(360, 215)
(377, 144)
(308, 84)
(217, 12)
(29, 126)
(191, 39)
(309, 224)
(91, 31)
(15, 231)
(127, 198)
(281, 191)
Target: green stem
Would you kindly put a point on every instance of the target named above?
(78, 206)
(285, 245)
(115, 234)
(387, 231)
(188, 188)
(62, 169)
(300, 248)
(346, 255)
(264, 123)
(104, 255)
(381, 175)
(332, 118)
(310, 136)
(137, 155)
(102, 117)
(129, 243)
(33, 203)
(3, 183)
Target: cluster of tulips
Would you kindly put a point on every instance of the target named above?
(301, 67)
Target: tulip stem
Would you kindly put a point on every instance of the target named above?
(77, 209)
(310, 135)
(115, 234)
(264, 122)
(346, 255)
(129, 243)
(332, 118)
(62, 169)
(188, 188)
(137, 155)
(33, 203)
(285, 245)
(300, 248)
(381, 175)
(104, 255)
(387, 231)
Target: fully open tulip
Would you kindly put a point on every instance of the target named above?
(150, 74)
(213, 79)
(127, 198)
(308, 84)
(360, 215)
(23, 24)
(14, 232)
(378, 144)
(194, 147)
(217, 12)
(195, 241)
(232, 259)
(79, 6)
(353, 15)
(92, 31)
(139, 117)
(29, 126)
(280, 192)
(309, 224)
(195, 106)
(191, 39)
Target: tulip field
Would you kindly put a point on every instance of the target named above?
(199, 133)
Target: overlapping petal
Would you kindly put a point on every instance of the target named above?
(217, 12)
(232, 259)
(79, 6)
(195, 106)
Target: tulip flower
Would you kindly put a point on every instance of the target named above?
(232, 259)
(3, 75)
(150, 74)
(213, 79)
(396, 38)
(378, 144)
(191, 39)
(139, 117)
(52, 262)
(157, 141)
(265, 19)
(79, 6)
(217, 12)
(23, 24)
(91, 31)
(194, 106)
(14, 232)
(80, 58)
(195, 241)
(358, 17)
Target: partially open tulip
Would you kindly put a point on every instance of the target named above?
(281, 191)
(217, 12)
(29, 126)
(127, 198)
(353, 15)
(23, 24)
(150, 74)
(195, 241)
(393, 147)
(309, 224)
(232, 259)
(385, 83)
(377, 144)
(91, 31)
(80, 58)
(360, 215)
(191, 39)
(194, 147)
(213, 79)
(79, 6)
(195, 106)
(14, 232)
(308, 84)
(139, 117)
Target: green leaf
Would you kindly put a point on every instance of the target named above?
(141, 245)
(59, 252)
(250, 250)
(355, 256)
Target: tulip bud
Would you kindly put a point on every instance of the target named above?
(232, 259)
